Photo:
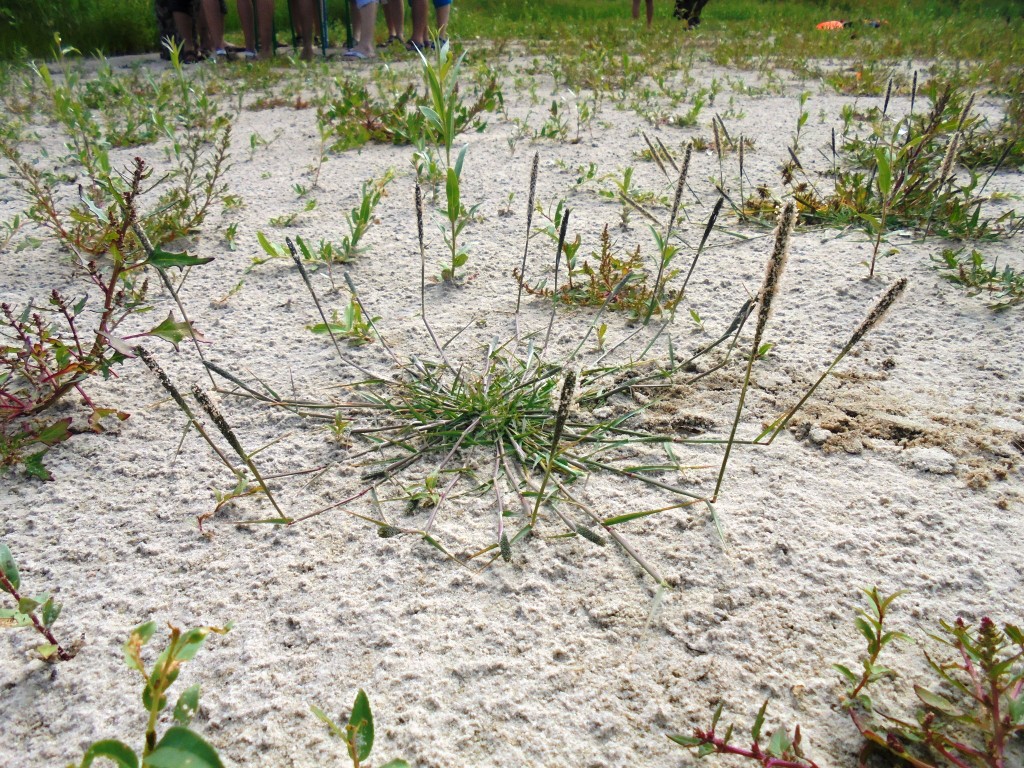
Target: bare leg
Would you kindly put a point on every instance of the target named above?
(302, 15)
(367, 21)
(442, 12)
(650, 13)
(636, 9)
(394, 14)
(183, 26)
(214, 25)
(245, 17)
(265, 16)
(419, 22)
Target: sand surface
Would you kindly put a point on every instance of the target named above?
(903, 471)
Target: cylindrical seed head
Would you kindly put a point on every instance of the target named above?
(589, 535)
(162, 377)
(419, 214)
(947, 160)
(218, 420)
(773, 272)
(878, 311)
(564, 404)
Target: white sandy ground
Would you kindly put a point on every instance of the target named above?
(901, 472)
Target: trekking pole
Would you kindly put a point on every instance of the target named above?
(346, 15)
(323, 26)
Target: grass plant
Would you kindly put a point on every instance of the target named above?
(904, 175)
(436, 428)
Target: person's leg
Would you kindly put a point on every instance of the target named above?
(353, 13)
(214, 20)
(698, 6)
(245, 17)
(183, 26)
(367, 21)
(302, 16)
(442, 9)
(265, 20)
(398, 14)
(636, 9)
(419, 22)
(650, 13)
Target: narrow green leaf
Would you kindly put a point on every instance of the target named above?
(335, 729)
(755, 731)
(458, 163)
(182, 748)
(629, 516)
(846, 672)
(9, 567)
(117, 751)
(1014, 633)
(884, 171)
(395, 764)
(452, 192)
(935, 701)
(361, 723)
(865, 629)
(686, 741)
(432, 116)
(717, 716)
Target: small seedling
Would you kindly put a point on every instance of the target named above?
(180, 746)
(458, 218)
(231, 236)
(358, 733)
(1003, 287)
(352, 325)
(39, 612)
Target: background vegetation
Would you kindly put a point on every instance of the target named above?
(965, 29)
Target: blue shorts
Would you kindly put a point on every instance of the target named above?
(438, 3)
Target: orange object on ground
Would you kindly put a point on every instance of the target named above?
(830, 25)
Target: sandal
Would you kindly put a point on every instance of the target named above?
(412, 45)
(190, 57)
(391, 41)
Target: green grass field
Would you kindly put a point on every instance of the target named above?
(952, 29)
